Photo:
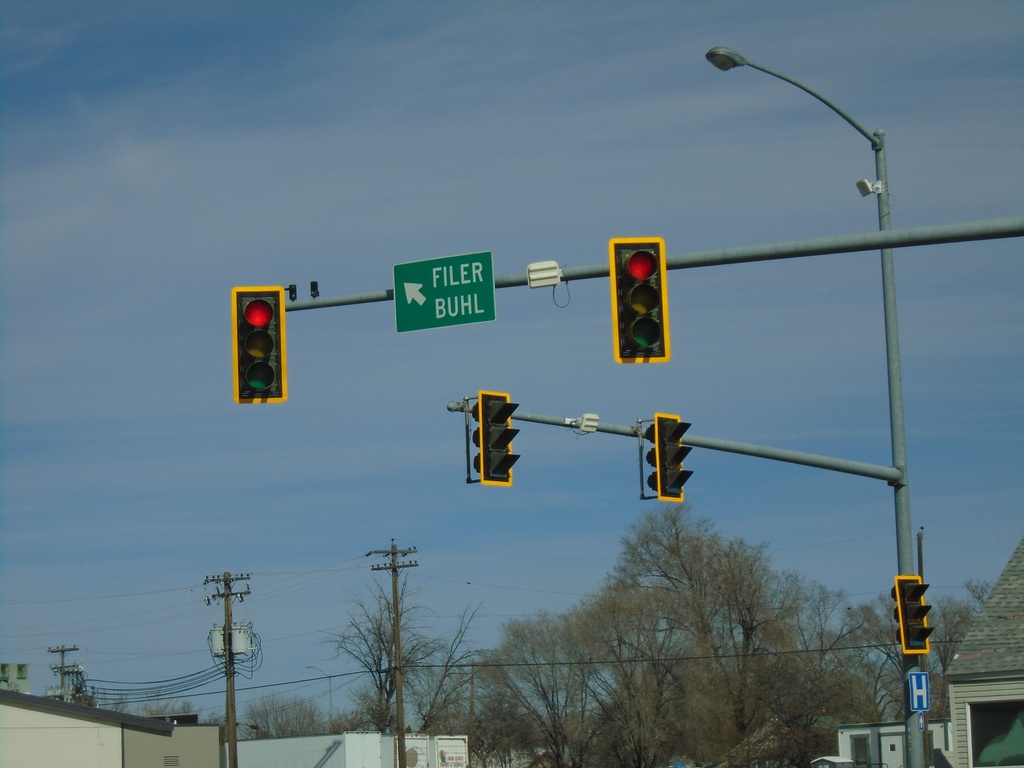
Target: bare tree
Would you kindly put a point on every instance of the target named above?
(809, 689)
(439, 685)
(697, 646)
(638, 684)
(726, 598)
(436, 667)
(542, 666)
(276, 716)
(876, 658)
(765, 639)
(368, 640)
(502, 730)
(977, 592)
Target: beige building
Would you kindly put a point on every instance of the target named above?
(986, 678)
(36, 732)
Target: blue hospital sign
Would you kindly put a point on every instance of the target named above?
(920, 698)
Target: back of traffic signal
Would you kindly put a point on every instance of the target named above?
(489, 435)
(666, 456)
(493, 438)
(911, 614)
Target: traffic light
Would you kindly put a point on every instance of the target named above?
(667, 456)
(911, 613)
(493, 437)
(257, 315)
(640, 328)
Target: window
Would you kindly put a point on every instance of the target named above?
(997, 734)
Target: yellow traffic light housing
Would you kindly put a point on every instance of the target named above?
(258, 344)
(640, 327)
(493, 437)
(666, 457)
(911, 612)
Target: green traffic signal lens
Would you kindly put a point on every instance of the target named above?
(258, 313)
(260, 375)
(645, 332)
(259, 344)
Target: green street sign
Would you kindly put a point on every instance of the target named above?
(452, 290)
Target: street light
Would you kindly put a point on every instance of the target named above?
(724, 58)
(330, 690)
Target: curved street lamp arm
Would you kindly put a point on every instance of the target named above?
(876, 142)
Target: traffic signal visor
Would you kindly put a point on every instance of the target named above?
(912, 614)
(257, 319)
(639, 292)
(666, 457)
(493, 437)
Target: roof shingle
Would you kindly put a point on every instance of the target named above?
(994, 644)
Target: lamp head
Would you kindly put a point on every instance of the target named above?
(725, 58)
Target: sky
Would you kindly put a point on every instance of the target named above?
(154, 155)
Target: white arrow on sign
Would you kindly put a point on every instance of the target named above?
(412, 293)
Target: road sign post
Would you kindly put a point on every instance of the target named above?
(452, 290)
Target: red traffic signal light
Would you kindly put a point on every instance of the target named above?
(494, 437)
(911, 612)
(640, 327)
(257, 317)
(667, 456)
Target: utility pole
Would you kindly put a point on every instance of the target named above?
(393, 565)
(62, 669)
(225, 593)
(924, 659)
(470, 734)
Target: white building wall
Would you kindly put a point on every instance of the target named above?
(31, 739)
(353, 750)
(297, 752)
(886, 740)
(338, 750)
